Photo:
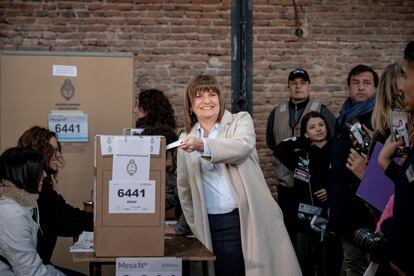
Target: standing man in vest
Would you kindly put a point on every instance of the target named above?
(284, 122)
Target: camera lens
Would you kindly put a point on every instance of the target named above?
(369, 241)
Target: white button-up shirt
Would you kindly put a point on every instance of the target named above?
(217, 191)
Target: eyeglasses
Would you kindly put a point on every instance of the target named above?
(57, 153)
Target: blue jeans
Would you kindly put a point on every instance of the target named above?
(226, 239)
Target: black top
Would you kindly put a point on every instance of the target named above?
(348, 211)
(57, 218)
(401, 237)
(290, 152)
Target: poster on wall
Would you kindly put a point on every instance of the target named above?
(70, 126)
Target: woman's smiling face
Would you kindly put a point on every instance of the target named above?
(206, 105)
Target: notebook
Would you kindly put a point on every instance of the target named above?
(375, 187)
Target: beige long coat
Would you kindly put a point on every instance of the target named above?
(267, 249)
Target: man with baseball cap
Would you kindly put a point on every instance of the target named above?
(284, 122)
(299, 73)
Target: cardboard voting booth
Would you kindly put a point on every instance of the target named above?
(94, 92)
(129, 196)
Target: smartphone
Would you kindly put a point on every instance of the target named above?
(359, 135)
(399, 127)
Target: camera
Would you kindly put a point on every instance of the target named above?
(362, 138)
(306, 211)
(374, 243)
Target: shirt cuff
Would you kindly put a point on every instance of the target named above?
(206, 152)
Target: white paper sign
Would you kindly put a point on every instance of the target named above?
(70, 126)
(130, 167)
(130, 144)
(127, 197)
(65, 70)
(148, 266)
(155, 144)
(136, 145)
(107, 144)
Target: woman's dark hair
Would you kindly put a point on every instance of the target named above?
(307, 117)
(360, 68)
(162, 130)
(157, 109)
(409, 52)
(170, 136)
(37, 138)
(200, 83)
(23, 167)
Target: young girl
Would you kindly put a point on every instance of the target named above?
(308, 157)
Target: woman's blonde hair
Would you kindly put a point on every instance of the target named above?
(197, 84)
(388, 97)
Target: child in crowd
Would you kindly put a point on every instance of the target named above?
(308, 157)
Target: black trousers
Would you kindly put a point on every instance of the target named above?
(287, 200)
(226, 239)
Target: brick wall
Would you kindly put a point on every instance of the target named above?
(174, 40)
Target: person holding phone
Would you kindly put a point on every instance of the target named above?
(389, 104)
(347, 211)
(399, 231)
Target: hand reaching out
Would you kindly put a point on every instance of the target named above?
(385, 156)
(192, 143)
(368, 131)
(357, 163)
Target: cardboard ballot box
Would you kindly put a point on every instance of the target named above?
(129, 216)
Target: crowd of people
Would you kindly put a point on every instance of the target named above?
(317, 226)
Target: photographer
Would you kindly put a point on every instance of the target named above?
(389, 97)
(347, 211)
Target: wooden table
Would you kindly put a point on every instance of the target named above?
(189, 249)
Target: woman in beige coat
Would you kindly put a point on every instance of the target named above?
(223, 193)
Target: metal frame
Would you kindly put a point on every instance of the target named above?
(242, 55)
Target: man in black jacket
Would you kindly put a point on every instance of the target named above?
(347, 211)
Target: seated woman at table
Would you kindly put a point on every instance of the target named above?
(21, 171)
(223, 193)
(57, 217)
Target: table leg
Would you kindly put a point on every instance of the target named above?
(186, 268)
(204, 268)
(95, 269)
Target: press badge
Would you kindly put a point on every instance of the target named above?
(302, 170)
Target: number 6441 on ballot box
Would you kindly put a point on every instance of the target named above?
(129, 193)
